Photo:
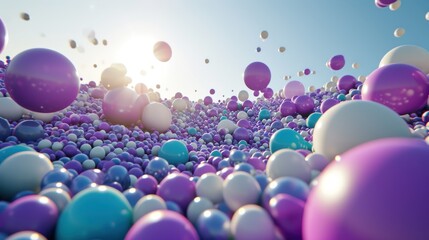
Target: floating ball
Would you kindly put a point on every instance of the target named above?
(243, 95)
(293, 88)
(268, 93)
(287, 108)
(120, 106)
(407, 54)
(162, 224)
(214, 224)
(337, 62)
(177, 188)
(3, 36)
(240, 189)
(114, 77)
(162, 51)
(282, 49)
(263, 35)
(9, 109)
(147, 204)
(28, 131)
(5, 129)
(257, 76)
(174, 151)
(349, 120)
(288, 138)
(210, 186)
(288, 163)
(156, 117)
(25, 170)
(42, 80)
(141, 88)
(356, 193)
(31, 213)
(399, 32)
(245, 220)
(401, 87)
(95, 213)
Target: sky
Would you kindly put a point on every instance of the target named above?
(226, 32)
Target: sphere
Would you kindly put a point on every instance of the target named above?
(399, 32)
(240, 189)
(174, 151)
(287, 108)
(60, 197)
(287, 138)
(158, 168)
(407, 54)
(26, 235)
(401, 87)
(42, 80)
(9, 109)
(227, 124)
(257, 76)
(243, 95)
(119, 106)
(293, 88)
(25, 170)
(95, 213)
(263, 35)
(117, 174)
(327, 104)
(312, 119)
(285, 185)
(162, 51)
(337, 62)
(28, 131)
(114, 77)
(162, 224)
(349, 120)
(268, 93)
(245, 220)
(356, 193)
(5, 129)
(147, 204)
(177, 188)
(241, 133)
(282, 49)
(210, 186)
(346, 83)
(140, 88)
(288, 163)
(156, 117)
(214, 224)
(179, 104)
(3, 36)
(304, 105)
(196, 207)
(32, 213)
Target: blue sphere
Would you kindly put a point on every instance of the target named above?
(213, 224)
(5, 130)
(158, 168)
(118, 174)
(80, 183)
(57, 175)
(28, 131)
(174, 151)
(244, 167)
(133, 196)
(237, 156)
(288, 185)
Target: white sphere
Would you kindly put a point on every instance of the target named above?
(352, 123)
(407, 54)
(148, 204)
(239, 189)
(157, 117)
(44, 143)
(21, 172)
(242, 115)
(243, 95)
(196, 207)
(45, 117)
(361, 78)
(288, 163)
(210, 186)
(57, 146)
(227, 124)
(97, 152)
(252, 222)
(427, 16)
(10, 110)
(282, 49)
(355, 65)
(179, 104)
(399, 32)
(395, 6)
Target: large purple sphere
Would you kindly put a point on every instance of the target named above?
(401, 87)
(337, 62)
(120, 105)
(377, 190)
(257, 76)
(346, 83)
(42, 80)
(3, 36)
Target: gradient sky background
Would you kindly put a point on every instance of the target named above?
(224, 31)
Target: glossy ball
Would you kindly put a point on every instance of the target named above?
(158, 168)
(162, 51)
(210, 186)
(9, 109)
(240, 189)
(286, 162)
(177, 188)
(3, 36)
(174, 151)
(120, 106)
(257, 76)
(147, 204)
(214, 224)
(28, 131)
(156, 117)
(245, 220)
(42, 80)
(293, 88)
(288, 138)
(5, 129)
(337, 62)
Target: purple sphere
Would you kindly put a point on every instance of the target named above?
(257, 76)
(177, 188)
(401, 87)
(120, 105)
(346, 83)
(232, 105)
(287, 108)
(304, 105)
(241, 133)
(268, 93)
(327, 104)
(3, 36)
(42, 80)
(357, 197)
(337, 62)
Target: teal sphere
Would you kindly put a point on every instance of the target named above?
(312, 119)
(9, 151)
(96, 213)
(289, 139)
(264, 114)
(175, 152)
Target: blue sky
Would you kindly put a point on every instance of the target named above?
(224, 31)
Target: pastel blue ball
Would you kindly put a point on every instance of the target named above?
(5, 130)
(312, 119)
(288, 138)
(118, 174)
(174, 151)
(28, 131)
(133, 196)
(95, 213)
(158, 168)
(213, 224)
(287, 185)
(9, 151)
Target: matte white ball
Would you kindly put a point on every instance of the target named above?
(23, 171)
(352, 123)
(239, 189)
(210, 186)
(227, 124)
(242, 115)
(9, 109)
(252, 222)
(156, 116)
(179, 104)
(288, 163)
